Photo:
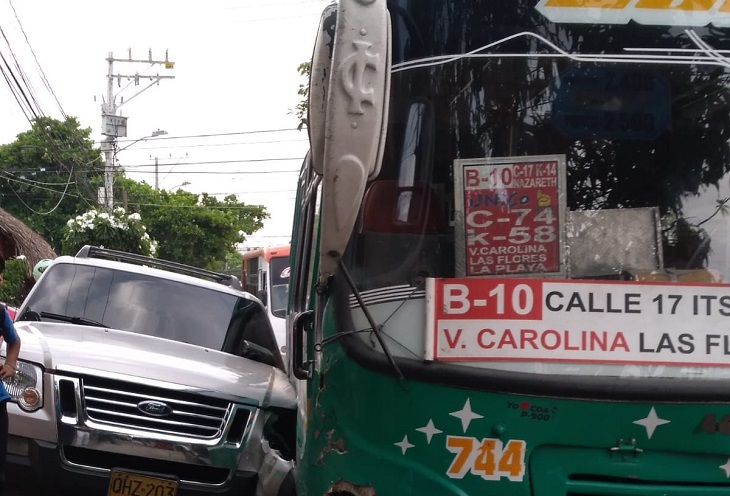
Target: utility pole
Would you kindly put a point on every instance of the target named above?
(115, 126)
(157, 169)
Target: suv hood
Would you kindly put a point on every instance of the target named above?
(107, 352)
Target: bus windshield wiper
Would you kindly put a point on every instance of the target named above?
(72, 320)
(375, 327)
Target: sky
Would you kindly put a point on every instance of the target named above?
(228, 114)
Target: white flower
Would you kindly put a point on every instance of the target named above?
(70, 222)
(20, 257)
(104, 215)
(134, 216)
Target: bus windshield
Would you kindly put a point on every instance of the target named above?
(524, 142)
(279, 273)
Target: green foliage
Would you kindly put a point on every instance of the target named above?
(116, 231)
(196, 230)
(51, 174)
(15, 279)
(302, 108)
(48, 174)
(231, 265)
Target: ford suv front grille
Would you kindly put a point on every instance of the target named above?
(153, 409)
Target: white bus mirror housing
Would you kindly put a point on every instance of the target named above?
(355, 118)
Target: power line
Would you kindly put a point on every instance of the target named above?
(237, 143)
(209, 207)
(36, 112)
(275, 4)
(208, 162)
(218, 172)
(197, 145)
(235, 133)
(208, 171)
(38, 64)
(244, 21)
(22, 87)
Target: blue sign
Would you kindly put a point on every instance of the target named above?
(623, 103)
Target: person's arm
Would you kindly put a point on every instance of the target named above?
(12, 348)
(8, 369)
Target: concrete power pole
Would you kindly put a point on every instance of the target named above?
(157, 169)
(115, 126)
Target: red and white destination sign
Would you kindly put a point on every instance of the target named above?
(651, 12)
(510, 319)
(511, 215)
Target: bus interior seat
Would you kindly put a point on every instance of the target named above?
(390, 208)
(406, 219)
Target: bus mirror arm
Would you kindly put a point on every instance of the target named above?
(300, 369)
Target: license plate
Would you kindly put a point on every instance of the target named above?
(136, 484)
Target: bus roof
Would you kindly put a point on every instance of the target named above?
(268, 252)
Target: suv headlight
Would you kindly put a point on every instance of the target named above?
(26, 386)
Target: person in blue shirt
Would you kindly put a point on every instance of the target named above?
(7, 370)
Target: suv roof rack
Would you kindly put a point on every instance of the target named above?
(122, 256)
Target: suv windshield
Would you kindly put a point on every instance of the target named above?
(148, 305)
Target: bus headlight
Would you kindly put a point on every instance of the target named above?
(25, 387)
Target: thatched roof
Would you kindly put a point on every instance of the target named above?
(18, 239)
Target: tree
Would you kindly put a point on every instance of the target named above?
(116, 230)
(15, 281)
(302, 108)
(196, 230)
(49, 174)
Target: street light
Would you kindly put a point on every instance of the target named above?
(109, 171)
(185, 183)
(154, 134)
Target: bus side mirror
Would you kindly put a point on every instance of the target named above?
(353, 118)
(319, 82)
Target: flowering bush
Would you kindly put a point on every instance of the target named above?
(116, 231)
(15, 280)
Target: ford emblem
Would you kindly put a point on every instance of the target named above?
(154, 408)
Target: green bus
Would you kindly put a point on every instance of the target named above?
(510, 254)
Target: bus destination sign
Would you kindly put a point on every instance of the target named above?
(510, 216)
(599, 322)
(647, 12)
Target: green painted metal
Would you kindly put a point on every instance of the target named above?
(393, 436)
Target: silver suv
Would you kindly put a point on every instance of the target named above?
(140, 376)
